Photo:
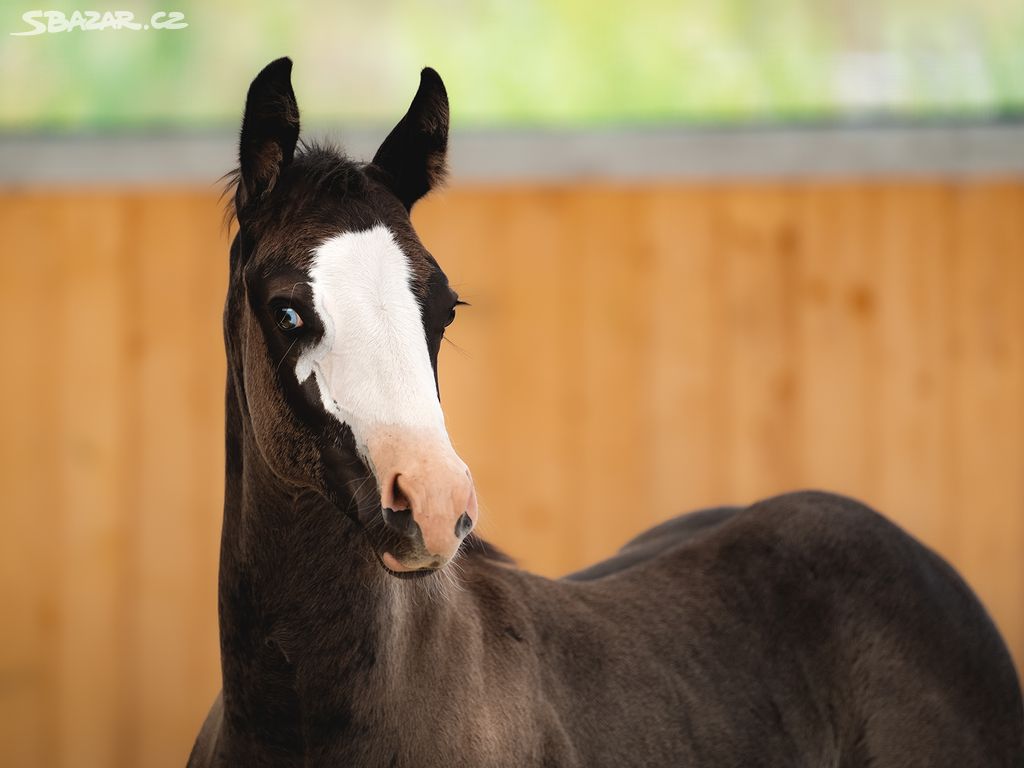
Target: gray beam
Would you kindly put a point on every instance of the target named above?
(556, 156)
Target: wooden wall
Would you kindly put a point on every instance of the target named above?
(631, 352)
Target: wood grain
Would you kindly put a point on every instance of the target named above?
(631, 352)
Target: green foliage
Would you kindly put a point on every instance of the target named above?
(529, 62)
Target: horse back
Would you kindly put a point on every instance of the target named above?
(820, 590)
(658, 540)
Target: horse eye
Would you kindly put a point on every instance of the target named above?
(287, 319)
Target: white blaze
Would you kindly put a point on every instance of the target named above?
(371, 366)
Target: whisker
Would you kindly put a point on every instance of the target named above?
(362, 484)
(461, 350)
(285, 357)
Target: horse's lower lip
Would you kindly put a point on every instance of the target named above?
(397, 568)
(392, 564)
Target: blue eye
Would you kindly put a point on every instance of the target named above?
(287, 319)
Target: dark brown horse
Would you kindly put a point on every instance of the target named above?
(363, 624)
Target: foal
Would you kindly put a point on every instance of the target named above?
(805, 630)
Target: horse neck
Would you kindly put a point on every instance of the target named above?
(314, 634)
(305, 612)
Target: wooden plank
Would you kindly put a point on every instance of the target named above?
(178, 436)
(987, 355)
(529, 305)
(612, 271)
(29, 566)
(836, 298)
(686, 414)
(756, 239)
(911, 250)
(88, 353)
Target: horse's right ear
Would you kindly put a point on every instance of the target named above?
(270, 130)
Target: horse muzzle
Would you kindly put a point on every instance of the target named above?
(428, 500)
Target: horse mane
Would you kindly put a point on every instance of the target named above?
(324, 168)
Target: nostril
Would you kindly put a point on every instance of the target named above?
(399, 520)
(463, 525)
(398, 498)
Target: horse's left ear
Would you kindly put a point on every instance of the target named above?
(411, 161)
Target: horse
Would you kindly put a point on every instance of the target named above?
(364, 623)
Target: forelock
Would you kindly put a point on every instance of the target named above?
(319, 195)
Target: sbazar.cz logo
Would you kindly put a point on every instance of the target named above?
(42, 22)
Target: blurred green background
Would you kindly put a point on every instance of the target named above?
(524, 63)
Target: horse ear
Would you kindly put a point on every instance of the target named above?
(411, 161)
(270, 130)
